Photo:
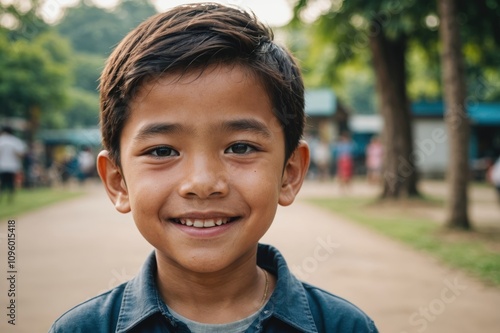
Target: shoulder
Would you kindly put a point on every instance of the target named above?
(333, 313)
(98, 314)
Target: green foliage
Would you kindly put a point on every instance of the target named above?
(341, 56)
(341, 36)
(28, 25)
(50, 74)
(83, 110)
(95, 30)
(469, 253)
(35, 73)
(87, 68)
(424, 71)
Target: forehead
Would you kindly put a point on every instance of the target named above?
(226, 74)
(218, 91)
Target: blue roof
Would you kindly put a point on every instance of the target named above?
(479, 113)
(427, 109)
(320, 102)
(77, 137)
(485, 114)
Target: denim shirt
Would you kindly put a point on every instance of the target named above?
(136, 306)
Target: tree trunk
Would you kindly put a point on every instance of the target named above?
(399, 171)
(457, 123)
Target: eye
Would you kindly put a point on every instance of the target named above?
(163, 152)
(240, 148)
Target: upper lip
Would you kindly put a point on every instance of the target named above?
(203, 215)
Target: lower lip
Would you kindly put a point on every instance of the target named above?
(205, 232)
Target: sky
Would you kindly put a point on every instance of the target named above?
(272, 12)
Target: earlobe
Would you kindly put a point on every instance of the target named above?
(113, 181)
(294, 174)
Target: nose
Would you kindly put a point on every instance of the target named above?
(204, 177)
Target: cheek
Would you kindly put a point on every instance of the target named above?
(145, 197)
(262, 186)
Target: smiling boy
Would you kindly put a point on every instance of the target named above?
(202, 115)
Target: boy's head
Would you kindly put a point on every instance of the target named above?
(194, 37)
(202, 116)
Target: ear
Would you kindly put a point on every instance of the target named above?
(294, 174)
(114, 183)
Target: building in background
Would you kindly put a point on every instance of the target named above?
(431, 141)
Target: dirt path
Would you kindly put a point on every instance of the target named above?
(401, 289)
(73, 250)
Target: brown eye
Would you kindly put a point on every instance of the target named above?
(164, 152)
(240, 148)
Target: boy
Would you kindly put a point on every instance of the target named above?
(202, 116)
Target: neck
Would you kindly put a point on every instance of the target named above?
(216, 297)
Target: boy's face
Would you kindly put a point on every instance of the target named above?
(203, 167)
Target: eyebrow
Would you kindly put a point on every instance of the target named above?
(247, 125)
(154, 129)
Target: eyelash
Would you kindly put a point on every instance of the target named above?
(172, 152)
(249, 148)
(154, 152)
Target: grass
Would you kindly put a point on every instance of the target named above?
(475, 252)
(28, 200)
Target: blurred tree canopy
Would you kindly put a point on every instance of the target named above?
(49, 73)
(326, 50)
(399, 41)
(96, 30)
(378, 32)
(34, 63)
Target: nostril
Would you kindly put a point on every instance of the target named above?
(203, 188)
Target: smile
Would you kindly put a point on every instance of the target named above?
(204, 223)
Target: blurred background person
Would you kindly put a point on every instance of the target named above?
(322, 159)
(494, 176)
(86, 164)
(374, 157)
(12, 151)
(344, 150)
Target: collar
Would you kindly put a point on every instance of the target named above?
(140, 297)
(288, 302)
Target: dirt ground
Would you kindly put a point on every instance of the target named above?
(73, 250)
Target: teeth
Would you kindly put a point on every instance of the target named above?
(199, 223)
(209, 223)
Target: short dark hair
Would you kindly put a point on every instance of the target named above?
(192, 37)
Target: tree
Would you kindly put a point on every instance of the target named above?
(25, 22)
(96, 30)
(382, 28)
(34, 79)
(34, 62)
(457, 123)
(93, 32)
(400, 176)
(83, 109)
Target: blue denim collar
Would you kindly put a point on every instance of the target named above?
(288, 303)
